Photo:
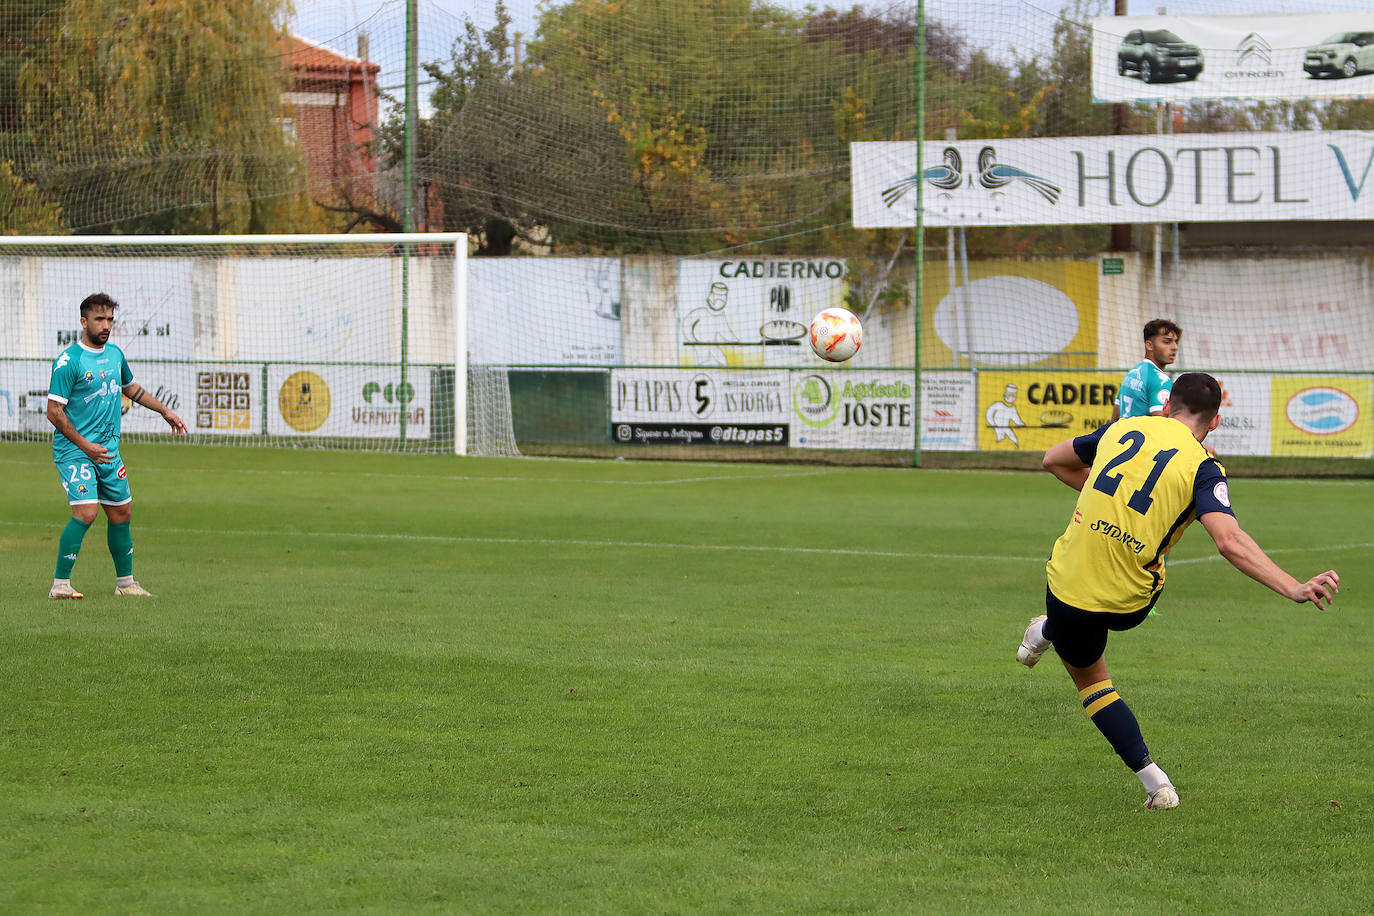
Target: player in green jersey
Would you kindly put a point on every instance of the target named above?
(84, 408)
(1141, 482)
(1145, 389)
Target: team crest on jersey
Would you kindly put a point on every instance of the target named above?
(102, 373)
(89, 376)
(81, 489)
(1223, 494)
(122, 473)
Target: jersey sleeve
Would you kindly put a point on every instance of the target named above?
(1160, 385)
(1085, 447)
(63, 378)
(1211, 491)
(126, 375)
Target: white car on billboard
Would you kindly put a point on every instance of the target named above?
(1343, 54)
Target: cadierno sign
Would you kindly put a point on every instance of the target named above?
(1312, 175)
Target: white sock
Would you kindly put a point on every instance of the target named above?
(57, 582)
(1038, 634)
(124, 581)
(1153, 778)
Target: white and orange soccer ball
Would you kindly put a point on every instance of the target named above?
(836, 334)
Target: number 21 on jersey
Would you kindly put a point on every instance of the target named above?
(1108, 482)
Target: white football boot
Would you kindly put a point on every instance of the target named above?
(134, 590)
(64, 591)
(1165, 796)
(1033, 645)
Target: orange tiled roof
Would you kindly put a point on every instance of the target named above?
(309, 56)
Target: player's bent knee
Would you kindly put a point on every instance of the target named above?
(85, 513)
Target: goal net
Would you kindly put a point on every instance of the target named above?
(661, 193)
(352, 342)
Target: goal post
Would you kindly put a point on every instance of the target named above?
(325, 341)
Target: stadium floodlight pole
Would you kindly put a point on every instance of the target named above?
(920, 248)
(408, 206)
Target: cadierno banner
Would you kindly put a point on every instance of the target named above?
(1309, 175)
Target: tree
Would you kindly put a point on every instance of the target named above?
(730, 119)
(460, 152)
(23, 209)
(20, 20)
(164, 116)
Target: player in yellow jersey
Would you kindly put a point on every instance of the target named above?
(1141, 482)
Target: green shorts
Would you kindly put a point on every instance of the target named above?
(88, 482)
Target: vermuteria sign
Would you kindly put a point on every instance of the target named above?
(1308, 175)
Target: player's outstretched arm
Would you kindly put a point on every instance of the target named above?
(140, 395)
(1241, 551)
(1063, 462)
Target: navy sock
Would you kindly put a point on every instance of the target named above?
(1117, 723)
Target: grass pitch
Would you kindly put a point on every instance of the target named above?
(408, 684)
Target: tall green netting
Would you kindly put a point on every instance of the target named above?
(659, 195)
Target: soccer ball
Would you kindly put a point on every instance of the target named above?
(836, 335)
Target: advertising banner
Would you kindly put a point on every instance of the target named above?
(153, 320)
(363, 402)
(1245, 416)
(685, 407)
(544, 311)
(12, 342)
(307, 310)
(872, 409)
(24, 396)
(171, 383)
(1302, 175)
(1322, 416)
(948, 406)
(1187, 58)
(1032, 410)
(826, 409)
(1012, 314)
(228, 401)
(754, 312)
(1286, 314)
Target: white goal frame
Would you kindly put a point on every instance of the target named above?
(459, 241)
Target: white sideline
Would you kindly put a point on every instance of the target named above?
(779, 475)
(659, 545)
(651, 545)
(569, 542)
(1271, 550)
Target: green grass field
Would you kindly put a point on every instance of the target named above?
(399, 684)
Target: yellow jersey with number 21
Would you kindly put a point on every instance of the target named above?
(1149, 479)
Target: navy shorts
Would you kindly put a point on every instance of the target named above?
(1079, 636)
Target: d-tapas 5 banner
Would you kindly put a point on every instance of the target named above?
(1188, 58)
(1306, 175)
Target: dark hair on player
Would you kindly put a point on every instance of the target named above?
(1159, 326)
(1198, 393)
(97, 300)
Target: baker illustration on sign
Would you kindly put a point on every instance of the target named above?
(1002, 416)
